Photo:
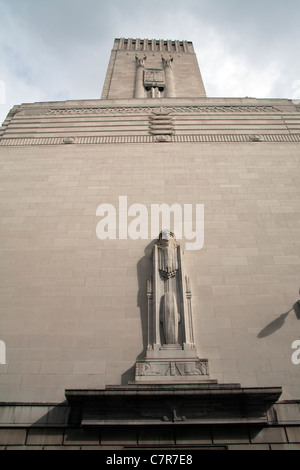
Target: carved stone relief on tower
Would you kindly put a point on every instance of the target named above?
(140, 66)
(168, 67)
(171, 354)
(154, 82)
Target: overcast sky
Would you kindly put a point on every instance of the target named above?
(53, 50)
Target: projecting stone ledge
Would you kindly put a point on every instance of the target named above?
(180, 404)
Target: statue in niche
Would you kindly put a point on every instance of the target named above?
(168, 265)
(171, 355)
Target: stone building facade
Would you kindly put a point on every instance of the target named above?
(86, 360)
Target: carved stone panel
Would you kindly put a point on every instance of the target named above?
(154, 78)
(172, 370)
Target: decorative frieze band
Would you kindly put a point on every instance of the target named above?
(150, 109)
(144, 139)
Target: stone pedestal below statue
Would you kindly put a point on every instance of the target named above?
(170, 363)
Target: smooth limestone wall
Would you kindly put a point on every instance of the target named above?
(73, 307)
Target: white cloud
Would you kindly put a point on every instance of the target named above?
(51, 51)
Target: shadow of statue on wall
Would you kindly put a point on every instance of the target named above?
(278, 323)
(144, 272)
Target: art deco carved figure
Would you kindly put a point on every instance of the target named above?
(140, 61)
(167, 62)
(139, 87)
(171, 311)
(168, 268)
(170, 318)
(170, 84)
(171, 354)
(167, 254)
